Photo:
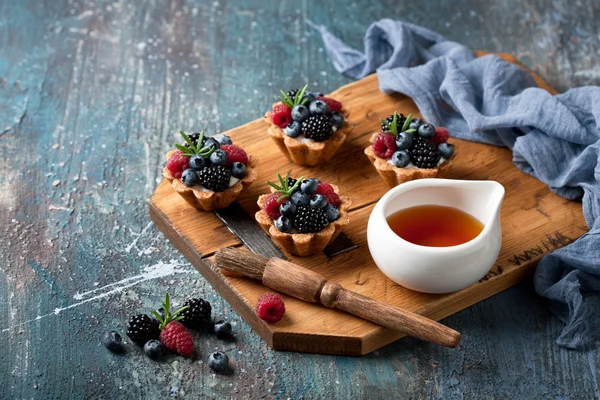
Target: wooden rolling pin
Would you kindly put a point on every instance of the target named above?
(310, 286)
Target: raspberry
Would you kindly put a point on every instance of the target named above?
(178, 163)
(384, 145)
(281, 115)
(333, 104)
(270, 307)
(178, 339)
(272, 205)
(327, 190)
(441, 136)
(235, 153)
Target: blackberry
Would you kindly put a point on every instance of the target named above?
(215, 178)
(291, 181)
(317, 127)
(310, 219)
(423, 154)
(385, 127)
(194, 138)
(141, 328)
(197, 315)
(292, 93)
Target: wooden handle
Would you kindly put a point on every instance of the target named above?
(307, 285)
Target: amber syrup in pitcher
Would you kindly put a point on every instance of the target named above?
(434, 226)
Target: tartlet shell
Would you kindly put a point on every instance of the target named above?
(310, 153)
(210, 201)
(393, 176)
(304, 244)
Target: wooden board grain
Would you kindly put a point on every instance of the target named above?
(534, 220)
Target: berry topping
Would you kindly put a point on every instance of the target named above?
(446, 150)
(215, 178)
(332, 212)
(222, 139)
(415, 123)
(284, 190)
(197, 315)
(441, 136)
(211, 143)
(178, 163)
(423, 154)
(426, 131)
(272, 205)
(223, 330)
(154, 349)
(281, 115)
(238, 170)
(173, 334)
(198, 162)
(300, 199)
(388, 124)
(219, 157)
(404, 140)
(317, 127)
(332, 104)
(287, 209)
(284, 224)
(400, 159)
(318, 107)
(234, 154)
(189, 177)
(336, 119)
(384, 145)
(327, 190)
(219, 362)
(195, 138)
(113, 341)
(309, 186)
(318, 201)
(270, 307)
(142, 328)
(294, 129)
(300, 112)
(292, 94)
(309, 220)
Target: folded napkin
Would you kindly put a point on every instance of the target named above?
(486, 99)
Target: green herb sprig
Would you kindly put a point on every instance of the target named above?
(192, 148)
(284, 188)
(299, 99)
(175, 316)
(393, 127)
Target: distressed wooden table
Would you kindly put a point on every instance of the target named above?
(91, 94)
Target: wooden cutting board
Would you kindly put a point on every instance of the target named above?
(534, 222)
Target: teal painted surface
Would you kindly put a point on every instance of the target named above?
(91, 95)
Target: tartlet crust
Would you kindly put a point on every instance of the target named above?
(393, 176)
(304, 244)
(210, 201)
(309, 153)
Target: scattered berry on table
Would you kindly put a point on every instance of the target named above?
(446, 150)
(332, 212)
(174, 336)
(317, 127)
(211, 142)
(219, 362)
(294, 129)
(142, 328)
(219, 157)
(423, 154)
(332, 104)
(223, 139)
(441, 136)
(387, 124)
(223, 330)
(189, 177)
(310, 220)
(327, 190)
(281, 115)
(270, 307)
(309, 186)
(198, 162)
(284, 224)
(287, 209)
(235, 154)
(415, 123)
(238, 170)
(426, 131)
(154, 349)
(318, 107)
(300, 112)
(178, 163)
(318, 201)
(336, 119)
(300, 199)
(400, 159)
(384, 145)
(215, 178)
(404, 140)
(272, 205)
(113, 342)
(197, 315)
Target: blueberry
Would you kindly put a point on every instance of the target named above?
(211, 142)
(218, 157)
(219, 362)
(294, 129)
(189, 177)
(318, 94)
(318, 201)
(223, 329)
(197, 162)
(223, 139)
(311, 97)
(238, 170)
(404, 140)
(113, 341)
(154, 349)
(300, 199)
(284, 224)
(309, 186)
(415, 123)
(337, 119)
(161, 312)
(300, 113)
(400, 159)
(318, 107)
(446, 150)
(287, 209)
(426, 131)
(332, 213)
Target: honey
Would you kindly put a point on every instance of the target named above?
(434, 226)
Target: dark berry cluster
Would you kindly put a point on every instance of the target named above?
(306, 113)
(407, 140)
(302, 205)
(208, 161)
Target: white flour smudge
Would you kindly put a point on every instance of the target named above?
(139, 235)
